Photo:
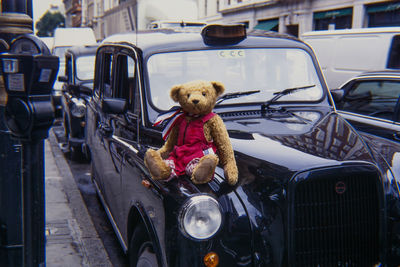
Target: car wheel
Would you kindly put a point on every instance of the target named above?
(76, 153)
(66, 126)
(86, 152)
(141, 253)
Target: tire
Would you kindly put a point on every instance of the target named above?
(141, 253)
(77, 153)
(86, 152)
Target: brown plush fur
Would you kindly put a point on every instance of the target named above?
(198, 97)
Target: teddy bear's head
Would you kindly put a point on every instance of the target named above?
(197, 97)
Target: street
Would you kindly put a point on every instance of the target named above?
(82, 175)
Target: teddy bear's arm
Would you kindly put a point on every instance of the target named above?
(170, 143)
(226, 155)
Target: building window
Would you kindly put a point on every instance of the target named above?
(268, 25)
(383, 15)
(333, 19)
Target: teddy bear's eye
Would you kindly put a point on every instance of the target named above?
(204, 93)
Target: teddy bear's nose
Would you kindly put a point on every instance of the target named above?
(195, 101)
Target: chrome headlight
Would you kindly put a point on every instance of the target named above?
(78, 108)
(200, 217)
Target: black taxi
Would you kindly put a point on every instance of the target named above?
(311, 191)
(76, 91)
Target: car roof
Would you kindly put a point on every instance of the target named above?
(161, 40)
(387, 72)
(83, 50)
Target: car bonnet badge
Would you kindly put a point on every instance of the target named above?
(340, 187)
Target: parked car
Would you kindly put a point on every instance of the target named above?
(76, 91)
(310, 191)
(370, 102)
(64, 38)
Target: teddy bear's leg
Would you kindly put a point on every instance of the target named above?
(159, 170)
(204, 171)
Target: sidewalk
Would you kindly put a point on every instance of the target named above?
(72, 240)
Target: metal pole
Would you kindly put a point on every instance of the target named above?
(34, 203)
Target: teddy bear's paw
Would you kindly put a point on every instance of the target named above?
(204, 171)
(157, 167)
(231, 174)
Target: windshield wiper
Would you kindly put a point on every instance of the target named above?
(235, 95)
(283, 93)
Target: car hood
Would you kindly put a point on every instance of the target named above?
(284, 143)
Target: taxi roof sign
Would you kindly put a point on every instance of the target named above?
(216, 34)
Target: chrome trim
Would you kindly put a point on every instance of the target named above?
(125, 144)
(366, 118)
(109, 215)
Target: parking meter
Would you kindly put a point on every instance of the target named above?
(29, 71)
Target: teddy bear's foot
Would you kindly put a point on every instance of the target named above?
(157, 167)
(204, 171)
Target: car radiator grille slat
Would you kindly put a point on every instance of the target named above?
(336, 229)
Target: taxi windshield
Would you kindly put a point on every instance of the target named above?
(266, 69)
(85, 67)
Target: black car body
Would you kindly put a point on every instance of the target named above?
(77, 89)
(310, 191)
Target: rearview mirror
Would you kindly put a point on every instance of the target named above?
(114, 105)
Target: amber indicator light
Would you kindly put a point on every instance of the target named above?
(211, 259)
(146, 183)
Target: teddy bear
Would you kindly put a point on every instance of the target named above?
(197, 140)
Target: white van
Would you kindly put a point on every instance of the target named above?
(344, 54)
(65, 38)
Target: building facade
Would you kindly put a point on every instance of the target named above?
(298, 16)
(107, 17)
(73, 13)
(295, 17)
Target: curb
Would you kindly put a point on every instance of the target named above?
(91, 244)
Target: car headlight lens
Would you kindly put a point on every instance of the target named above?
(78, 110)
(200, 217)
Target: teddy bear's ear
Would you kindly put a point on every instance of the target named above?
(174, 93)
(219, 88)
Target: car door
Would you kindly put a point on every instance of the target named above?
(372, 106)
(121, 127)
(130, 141)
(99, 129)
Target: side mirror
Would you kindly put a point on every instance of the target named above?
(74, 89)
(337, 95)
(114, 105)
(63, 79)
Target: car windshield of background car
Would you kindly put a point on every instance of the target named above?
(373, 98)
(85, 67)
(266, 69)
